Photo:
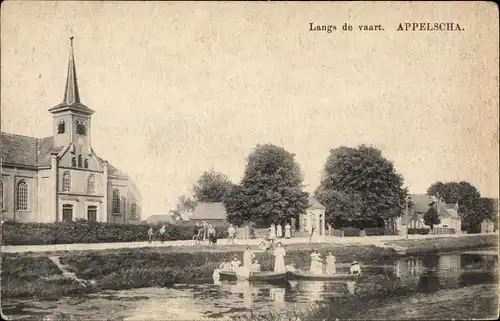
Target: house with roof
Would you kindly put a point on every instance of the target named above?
(448, 213)
(61, 177)
(314, 217)
(214, 213)
(162, 218)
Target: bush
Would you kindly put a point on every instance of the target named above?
(421, 231)
(93, 232)
(375, 231)
(351, 231)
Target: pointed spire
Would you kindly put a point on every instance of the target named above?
(71, 94)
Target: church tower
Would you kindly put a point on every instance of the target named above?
(71, 118)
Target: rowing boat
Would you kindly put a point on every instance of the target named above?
(264, 276)
(312, 276)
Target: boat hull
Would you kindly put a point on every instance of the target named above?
(326, 277)
(252, 276)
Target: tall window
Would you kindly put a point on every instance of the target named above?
(86, 163)
(66, 182)
(61, 127)
(80, 128)
(22, 196)
(67, 213)
(1, 196)
(92, 213)
(116, 201)
(91, 184)
(79, 160)
(133, 211)
(73, 162)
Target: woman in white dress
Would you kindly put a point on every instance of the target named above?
(330, 264)
(279, 231)
(316, 263)
(248, 257)
(279, 258)
(288, 228)
(272, 232)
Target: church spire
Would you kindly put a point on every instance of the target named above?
(71, 93)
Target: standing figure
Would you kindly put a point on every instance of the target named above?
(150, 234)
(279, 231)
(235, 264)
(231, 231)
(205, 230)
(316, 263)
(288, 229)
(248, 257)
(279, 258)
(212, 235)
(330, 264)
(355, 268)
(256, 266)
(162, 233)
(272, 233)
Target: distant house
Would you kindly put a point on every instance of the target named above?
(487, 226)
(160, 218)
(314, 217)
(214, 213)
(448, 213)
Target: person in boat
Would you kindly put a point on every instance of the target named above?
(291, 267)
(288, 229)
(255, 266)
(225, 266)
(248, 257)
(235, 264)
(279, 231)
(355, 268)
(279, 258)
(265, 245)
(316, 263)
(330, 264)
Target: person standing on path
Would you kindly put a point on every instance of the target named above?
(162, 233)
(279, 231)
(205, 230)
(231, 231)
(212, 235)
(279, 258)
(272, 233)
(288, 229)
(150, 234)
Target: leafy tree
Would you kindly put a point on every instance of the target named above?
(212, 186)
(271, 189)
(431, 217)
(367, 180)
(452, 192)
(341, 209)
(184, 206)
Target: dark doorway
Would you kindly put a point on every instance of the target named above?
(67, 213)
(92, 213)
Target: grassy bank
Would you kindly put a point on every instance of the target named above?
(34, 275)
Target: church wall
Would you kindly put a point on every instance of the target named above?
(11, 177)
(46, 212)
(119, 184)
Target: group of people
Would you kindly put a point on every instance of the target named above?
(205, 231)
(248, 262)
(319, 266)
(276, 231)
(162, 233)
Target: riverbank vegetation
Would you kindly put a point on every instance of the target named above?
(35, 275)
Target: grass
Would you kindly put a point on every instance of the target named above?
(24, 275)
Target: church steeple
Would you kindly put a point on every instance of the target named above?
(71, 94)
(71, 100)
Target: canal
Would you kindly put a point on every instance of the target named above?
(448, 286)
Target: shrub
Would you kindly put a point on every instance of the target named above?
(375, 231)
(93, 232)
(421, 231)
(351, 231)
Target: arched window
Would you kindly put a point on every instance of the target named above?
(73, 162)
(133, 211)
(116, 201)
(61, 126)
(66, 182)
(86, 163)
(80, 128)
(22, 196)
(91, 184)
(79, 160)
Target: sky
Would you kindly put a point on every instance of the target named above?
(181, 88)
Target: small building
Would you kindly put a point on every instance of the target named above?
(214, 213)
(313, 217)
(487, 226)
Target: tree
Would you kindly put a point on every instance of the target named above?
(185, 205)
(364, 175)
(431, 217)
(271, 189)
(452, 192)
(341, 209)
(212, 186)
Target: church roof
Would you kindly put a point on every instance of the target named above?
(27, 151)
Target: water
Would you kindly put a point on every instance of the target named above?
(458, 286)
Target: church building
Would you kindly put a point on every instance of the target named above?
(60, 177)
